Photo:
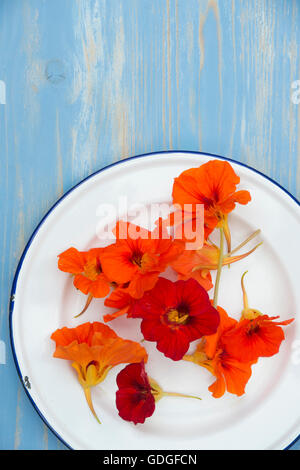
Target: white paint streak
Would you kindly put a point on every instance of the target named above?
(98, 87)
(34, 71)
(18, 432)
(2, 92)
(59, 158)
(86, 85)
(2, 352)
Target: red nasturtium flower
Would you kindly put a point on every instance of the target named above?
(137, 258)
(94, 350)
(259, 337)
(137, 394)
(256, 335)
(134, 399)
(213, 184)
(87, 270)
(175, 314)
(231, 374)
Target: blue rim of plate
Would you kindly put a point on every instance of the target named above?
(14, 284)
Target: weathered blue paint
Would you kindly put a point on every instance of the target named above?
(90, 82)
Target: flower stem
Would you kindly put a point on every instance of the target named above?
(88, 301)
(87, 392)
(174, 394)
(245, 297)
(253, 235)
(188, 357)
(220, 263)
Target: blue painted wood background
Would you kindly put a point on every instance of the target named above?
(93, 81)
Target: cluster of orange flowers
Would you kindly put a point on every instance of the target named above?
(128, 274)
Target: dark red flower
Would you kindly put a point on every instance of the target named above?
(134, 399)
(138, 393)
(175, 314)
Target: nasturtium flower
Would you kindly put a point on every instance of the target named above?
(197, 264)
(137, 258)
(256, 335)
(174, 314)
(213, 184)
(94, 349)
(231, 374)
(187, 267)
(259, 337)
(87, 271)
(120, 300)
(134, 399)
(138, 393)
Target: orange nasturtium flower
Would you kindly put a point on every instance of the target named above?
(137, 258)
(186, 267)
(94, 350)
(87, 270)
(213, 184)
(198, 263)
(256, 335)
(231, 374)
(119, 299)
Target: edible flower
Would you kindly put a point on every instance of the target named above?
(138, 393)
(174, 314)
(138, 257)
(94, 349)
(256, 335)
(197, 264)
(213, 184)
(231, 374)
(87, 270)
(120, 300)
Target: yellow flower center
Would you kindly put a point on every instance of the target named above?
(175, 316)
(92, 269)
(137, 259)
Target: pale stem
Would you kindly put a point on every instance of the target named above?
(253, 235)
(87, 392)
(89, 299)
(174, 394)
(245, 297)
(220, 263)
(188, 357)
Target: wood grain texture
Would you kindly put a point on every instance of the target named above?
(90, 82)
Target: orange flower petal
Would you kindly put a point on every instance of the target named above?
(231, 375)
(213, 184)
(72, 261)
(226, 323)
(251, 339)
(122, 351)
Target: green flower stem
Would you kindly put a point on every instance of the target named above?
(220, 263)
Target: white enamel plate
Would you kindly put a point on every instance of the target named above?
(44, 299)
